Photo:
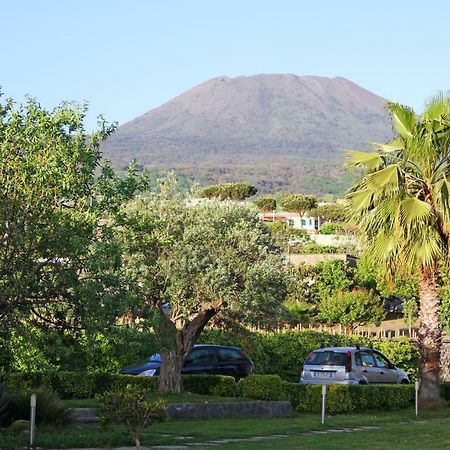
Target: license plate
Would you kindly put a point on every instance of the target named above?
(321, 374)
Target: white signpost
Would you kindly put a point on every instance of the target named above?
(32, 418)
(324, 401)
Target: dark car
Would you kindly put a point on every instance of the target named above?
(203, 358)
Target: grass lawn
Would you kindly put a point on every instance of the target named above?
(397, 430)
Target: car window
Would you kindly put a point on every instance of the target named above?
(229, 354)
(201, 356)
(155, 358)
(329, 358)
(364, 359)
(381, 360)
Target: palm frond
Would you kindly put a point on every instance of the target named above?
(371, 161)
(403, 119)
(386, 179)
(414, 211)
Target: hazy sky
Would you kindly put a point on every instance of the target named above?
(127, 57)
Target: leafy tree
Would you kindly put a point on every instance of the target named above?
(266, 204)
(229, 191)
(299, 204)
(193, 263)
(333, 212)
(58, 258)
(351, 308)
(401, 203)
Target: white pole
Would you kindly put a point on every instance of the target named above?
(32, 418)
(324, 395)
(417, 397)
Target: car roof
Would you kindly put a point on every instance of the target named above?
(341, 349)
(215, 346)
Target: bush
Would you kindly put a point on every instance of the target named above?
(131, 408)
(49, 408)
(261, 387)
(347, 399)
(220, 385)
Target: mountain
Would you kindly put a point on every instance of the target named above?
(279, 132)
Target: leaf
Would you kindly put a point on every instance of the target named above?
(413, 210)
(370, 160)
(385, 177)
(403, 119)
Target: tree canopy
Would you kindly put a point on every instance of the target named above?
(194, 262)
(299, 203)
(229, 191)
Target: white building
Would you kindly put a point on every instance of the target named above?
(310, 224)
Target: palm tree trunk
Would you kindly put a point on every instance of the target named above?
(429, 339)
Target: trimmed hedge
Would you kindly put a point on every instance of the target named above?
(220, 385)
(308, 398)
(261, 387)
(78, 385)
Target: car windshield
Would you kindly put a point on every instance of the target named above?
(329, 358)
(155, 358)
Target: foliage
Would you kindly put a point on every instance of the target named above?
(343, 399)
(39, 348)
(224, 386)
(4, 405)
(403, 353)
(49, 408)
(266, 204)
(261, 387)
(299, 203)
(283, 233)
(131, 408)
(402, 206)
(229, 191)
(351, 308)
(58, 258)
(331, 228)
(330, 212)
(192, 262)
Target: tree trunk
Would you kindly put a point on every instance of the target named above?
(429, 339)
(170, 372)
(182, 343)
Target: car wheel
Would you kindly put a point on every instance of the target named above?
(404, 381)
(362, 382)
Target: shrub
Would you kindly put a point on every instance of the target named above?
(347, 399)
(261, 387)
(4, 407)
(220, 385)
(49, 408)
(131, 408)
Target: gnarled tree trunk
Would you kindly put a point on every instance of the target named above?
(429, 339)
(181, 344)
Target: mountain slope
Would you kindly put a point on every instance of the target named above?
(276, 131)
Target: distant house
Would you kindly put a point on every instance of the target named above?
(310, 224)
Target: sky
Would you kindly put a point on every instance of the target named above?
(125, 58)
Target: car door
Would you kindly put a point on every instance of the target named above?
(231, 362)
(366, 366)
(200, 360)
(387, 372)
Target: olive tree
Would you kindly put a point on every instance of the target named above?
(197, 261)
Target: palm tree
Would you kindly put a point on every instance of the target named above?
(401, 203)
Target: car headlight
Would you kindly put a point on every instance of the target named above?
(148, 373)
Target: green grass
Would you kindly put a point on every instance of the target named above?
(430, 431)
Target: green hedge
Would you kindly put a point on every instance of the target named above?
(348, 399)
(77, 385)
(220, 385)
(261, 387)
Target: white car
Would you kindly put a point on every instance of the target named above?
(350, 365)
